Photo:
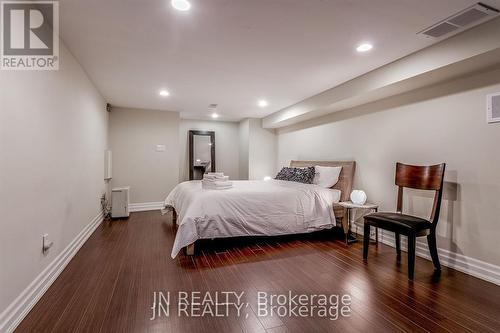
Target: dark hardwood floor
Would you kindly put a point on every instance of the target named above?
(109, 285)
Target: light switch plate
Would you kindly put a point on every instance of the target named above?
(161, 148)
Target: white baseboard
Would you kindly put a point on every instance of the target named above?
(12, 316)
(460, 262)
(145, 206)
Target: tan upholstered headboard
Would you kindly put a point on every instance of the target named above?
(346, 177)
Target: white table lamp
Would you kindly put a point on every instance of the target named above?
(358, 197)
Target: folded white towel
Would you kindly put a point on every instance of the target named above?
(223, 183)
(215, 179)
(215, 174)
(217, 185)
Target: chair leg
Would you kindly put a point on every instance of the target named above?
(398, 246)
(431, 240)
(411, 256)
(366, 240)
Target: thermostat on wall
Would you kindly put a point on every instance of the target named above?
(161, 148)
(493, 108)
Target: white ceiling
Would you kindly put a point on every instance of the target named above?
(235, 52)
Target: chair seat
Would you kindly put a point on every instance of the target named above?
(396, 222)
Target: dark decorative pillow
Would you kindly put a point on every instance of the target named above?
(301, 175)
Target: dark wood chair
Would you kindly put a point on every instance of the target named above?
(415, 177)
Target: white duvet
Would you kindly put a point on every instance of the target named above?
(250, 208)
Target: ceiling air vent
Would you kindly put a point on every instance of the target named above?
(467, 18)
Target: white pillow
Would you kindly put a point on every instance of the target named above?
(326, 176)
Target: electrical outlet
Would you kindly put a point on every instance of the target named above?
(46, 245)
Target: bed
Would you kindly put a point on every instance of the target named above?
(257, 208)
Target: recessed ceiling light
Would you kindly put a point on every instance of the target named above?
(215, 115)
(182, 5)
(164, 93)
(364, 47)
(262, 103)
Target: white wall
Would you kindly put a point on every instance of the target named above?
(258, 148)
(53, 133)
(444, 123)
(262, 149)
(243, 143)
(133, 136)
(226, 146)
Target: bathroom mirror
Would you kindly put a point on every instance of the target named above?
(201, 153)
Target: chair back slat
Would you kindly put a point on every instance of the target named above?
(420, 177)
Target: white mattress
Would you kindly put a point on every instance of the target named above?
(250, 208)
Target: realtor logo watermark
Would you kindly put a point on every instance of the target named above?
(29, 35)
